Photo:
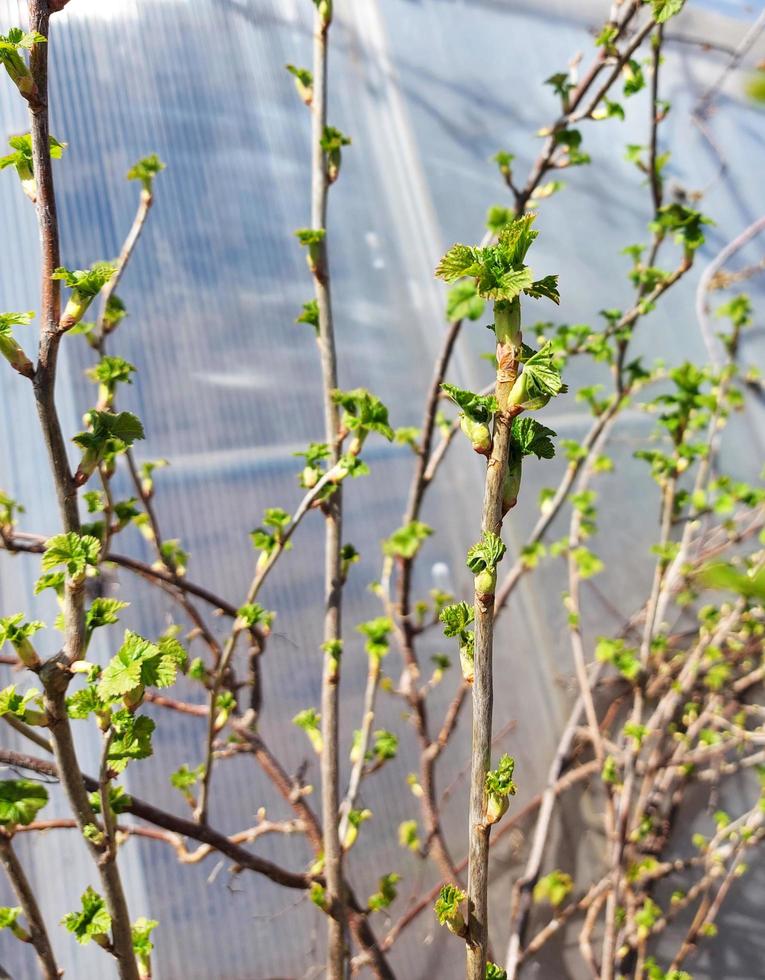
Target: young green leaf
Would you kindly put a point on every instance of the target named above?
(309, 720)
(85, 285)
(332, 141)
(303, 82)
(27, 707)
(108, 373)
(684, 222)
(139, 664)
(11, 44)
(494, 972)
(499, 788)
(311, 239)
(464, 303)
(310, 315)
(386, 892)
(16, 631)
(132, 739)
(475, 417)
(448, 911)
(92, 922)
(530, 437)
(145, 170)
(498, 269)
(142, 944)
(109, 435)
(20, 801)
(456, 618)
(9, 919)
(119, 800)
(539, 382)
(407, 540)
(75, 552)
(10, 348)
(363, 413)
(377, 632)
(482, 560)
(21, 159)
(553, 888)
(664, 9)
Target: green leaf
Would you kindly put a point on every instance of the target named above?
(310, 236)
(561, 83)
(82, 704)
(634, 77)
(464, 303)
(252, 614)
(738, 310)
(142, 944)
(495, 284)
(309, 720)
(119, 801)
(664, 9)
(406, 541)
(310, 314)
(91, 921)
(385, 745)
(111, 371)
(333, 139)
(114, 313)
(20, 801)
(17, 38)
(497, 217)
(9, 919)
(75, 552)
(15, 704)
(103, 612)
(447, 908)
(303, 75)
(459, 261)
(145, 170)
(22, 159)
(456, 618)
(532, 438)
(86, 282)
(184, 778)
(587, 563)
(479, 408)
(386, 892)
(138, 663)
(377, 632)
(540, 380)
(132, 739)
(15, 630)
(499, 781)
(553, 888)
(486, 554)
(408, 836)
(123, 673)
(363, 413)
(724, 576)
(494, 972)
(546, 287)
(684, 222)
(504, 161)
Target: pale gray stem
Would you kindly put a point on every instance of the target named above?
(333, 855)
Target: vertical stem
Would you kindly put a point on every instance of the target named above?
(483, 694)
(55, 675)
(26, 899)
(333, 863)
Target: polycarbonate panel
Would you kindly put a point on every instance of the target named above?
(229, 388)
